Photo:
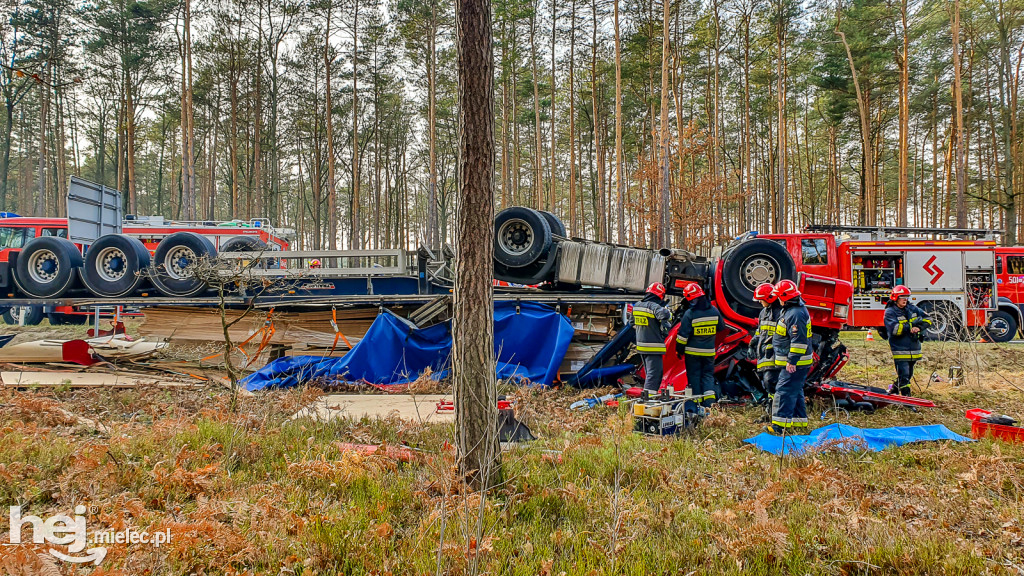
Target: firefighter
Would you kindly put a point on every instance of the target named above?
(905, 325)
(792, 341)
(652, 321)
(761, 345)
(695, 341)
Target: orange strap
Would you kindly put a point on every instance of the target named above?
(337, 332)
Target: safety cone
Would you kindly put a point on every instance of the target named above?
(871, 336)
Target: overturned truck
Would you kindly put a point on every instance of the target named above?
(531, 247)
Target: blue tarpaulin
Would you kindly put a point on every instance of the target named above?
(844, 437)
(529, 345)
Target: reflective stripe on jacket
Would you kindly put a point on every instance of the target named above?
(904, 345)
(767, 320)
(792, 340)
(698, 329)
(651, 322)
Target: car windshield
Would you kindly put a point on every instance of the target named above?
(12, 237)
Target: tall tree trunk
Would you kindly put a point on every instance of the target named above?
(781, 187)
(332, 190)
(574, 225)
(903, 59)
(473, 323)
(538, 153)
(44, 99)
(958, 110)
(619, 205)
(601, 218)
(357, 239)
(433, 241)
(664, 207)
(188, 165)
(868, 200)
(551, 167)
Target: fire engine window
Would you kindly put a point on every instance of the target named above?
(58, 232)
(815, 251)
(12, 237)
(1015, 264)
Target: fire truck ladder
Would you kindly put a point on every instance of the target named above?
(884, 231)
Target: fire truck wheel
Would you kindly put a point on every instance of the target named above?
(556, 224)
(247, 244)
(46, 267)
(521, 236)
(946, 324)
(173, 264)
(27, 315)
(113, 265)
(1002, 327)
(60, 319)
(750, 264)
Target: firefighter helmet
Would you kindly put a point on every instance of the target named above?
(898, 291)
(765, 293)
(692, 291)
(786, 290)
(314, 263)
(658, 289)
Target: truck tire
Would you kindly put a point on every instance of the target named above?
(1002, 327)
(33, 315)
(750, 264)
(556, 224)
(46, 267)
(248, 244)
(521, 237)
(946, 324)
(113, 265)
(170, 271)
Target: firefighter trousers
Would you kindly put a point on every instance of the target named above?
(770, 379)
(653, 370)
(700, 377)
(904, 373)
(789, 408)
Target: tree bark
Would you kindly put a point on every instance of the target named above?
(357, 239)
(332, 191)
(903, 59)
(538, 153)
(620, 209)
(958, 107)
(664, 231)
(868, 201)
(473, 323)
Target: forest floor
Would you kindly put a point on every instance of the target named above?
(252, 491)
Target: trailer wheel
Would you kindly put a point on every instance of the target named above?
(172, 273)
(248, 244)
(1002, 327)
(750, 264)
(27, 315)
(46, 267)
(555, 223)
(521, 237)
(946, 324)
(113, 265)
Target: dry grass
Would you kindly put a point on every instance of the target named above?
(251, 492)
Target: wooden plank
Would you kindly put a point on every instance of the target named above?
(407, 407)
(86, 380)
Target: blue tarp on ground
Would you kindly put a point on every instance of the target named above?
(529, 344)
(842, 436)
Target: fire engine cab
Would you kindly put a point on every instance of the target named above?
(953, 279)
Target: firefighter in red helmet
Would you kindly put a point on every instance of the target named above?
(904, 326)
(695, 343)
(761, 348)
(651, 323)
(793, 354)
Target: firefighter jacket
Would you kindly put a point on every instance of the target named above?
(651, 321)
(761, 343)
(697, 330)
(792, 340)
(898, 322)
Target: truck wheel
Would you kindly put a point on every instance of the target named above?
(1002, 327)
(27, 315)
(114, 265)
(61, 319)
(750, 264)
(946, 324)
(46, 267)
(521, 236)
(248, 244)
(175, 255)
(556, 224)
